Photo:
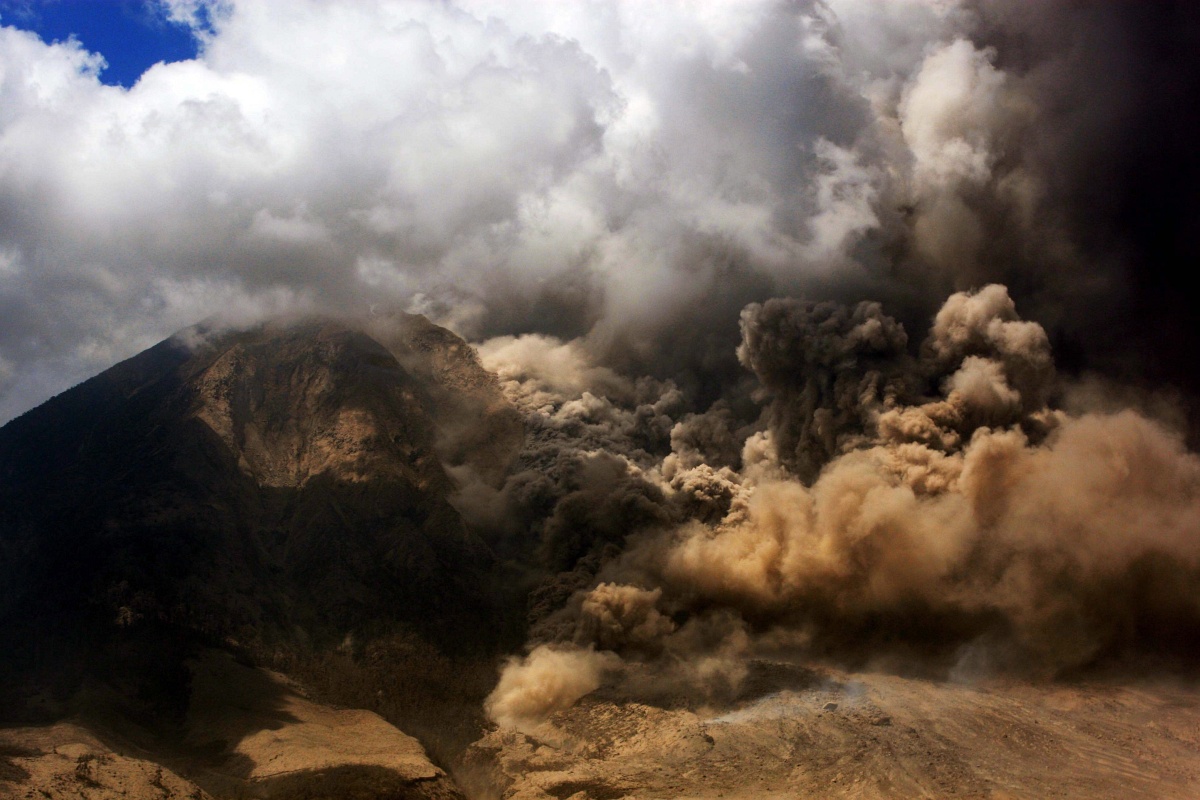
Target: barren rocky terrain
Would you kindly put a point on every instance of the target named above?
(249, 733)
(279, 493)
(823, 733)
(798, 732)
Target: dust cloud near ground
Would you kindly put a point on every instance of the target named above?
(804, 732)
(929, 506)
(937, 515)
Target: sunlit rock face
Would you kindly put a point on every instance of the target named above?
(296, 401)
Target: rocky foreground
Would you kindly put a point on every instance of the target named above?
(249, 733)
(798, 733)
(826, 734)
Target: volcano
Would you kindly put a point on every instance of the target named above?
(278, 492)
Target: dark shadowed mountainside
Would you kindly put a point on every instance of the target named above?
(281, 490)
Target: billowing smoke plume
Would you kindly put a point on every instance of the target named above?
(831, 369)
(921, 503)
(549, 680)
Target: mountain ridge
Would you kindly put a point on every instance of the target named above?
(276, 489)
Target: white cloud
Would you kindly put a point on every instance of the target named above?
(345, 156)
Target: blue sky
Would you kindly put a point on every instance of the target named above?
(132, 35)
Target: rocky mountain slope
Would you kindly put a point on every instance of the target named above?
(281, 490)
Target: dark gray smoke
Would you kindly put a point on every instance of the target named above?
(974, 526)
(830, 370)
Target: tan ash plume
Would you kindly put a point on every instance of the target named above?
(1067, 547)
(547, 680)
(924, 503)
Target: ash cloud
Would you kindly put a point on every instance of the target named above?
(549, 680)
(829, 367)
(923, 505)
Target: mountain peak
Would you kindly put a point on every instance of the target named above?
(315, 398)
(279, 487)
